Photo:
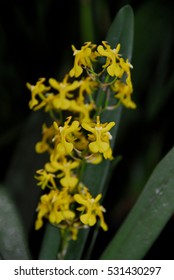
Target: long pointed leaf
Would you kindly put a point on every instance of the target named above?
(148, 217)
(121, 31)
(20, 174)
(13, 245)
(50, 244)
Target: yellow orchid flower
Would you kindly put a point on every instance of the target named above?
(37, 90)
(45, 178)
(112, 59)
(83, 58)
(55, 206)
(100, 135)
(64, 167)
(65, 147)
(46, 144)
(90, 209)
(123, 93)
(65, 89)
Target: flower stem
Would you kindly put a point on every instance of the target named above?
(63, 243)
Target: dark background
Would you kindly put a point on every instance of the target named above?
(35, 41)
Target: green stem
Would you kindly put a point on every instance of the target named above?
(52, 115)
(64, 242)
(81, 170)
(102, 96)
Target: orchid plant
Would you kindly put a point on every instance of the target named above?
(83, 114)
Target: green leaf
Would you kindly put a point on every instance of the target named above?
(50, 244)
(148, 217)
(19, 178)
(121, 31)
(75, 248)
(13, 245)
(117, 34)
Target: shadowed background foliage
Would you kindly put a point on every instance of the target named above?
(35, 41)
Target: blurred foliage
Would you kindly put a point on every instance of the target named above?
(11, 229)
(35, 40)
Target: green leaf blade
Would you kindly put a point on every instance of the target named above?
(122, 31)
(13, 244)
(148, 217)
(50, 244)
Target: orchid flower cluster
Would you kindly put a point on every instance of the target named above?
(76, 136)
